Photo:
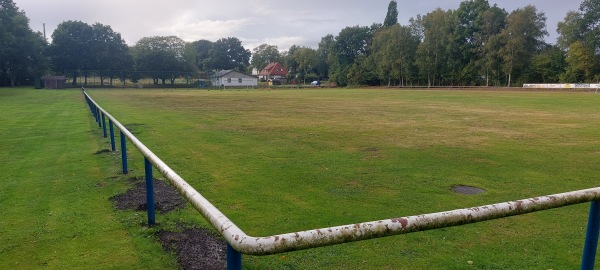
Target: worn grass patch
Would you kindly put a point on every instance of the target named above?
(290, 160)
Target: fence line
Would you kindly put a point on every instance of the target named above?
(239, 242)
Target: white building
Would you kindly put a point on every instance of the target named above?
(232, 78)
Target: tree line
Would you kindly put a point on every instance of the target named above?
(473, 45)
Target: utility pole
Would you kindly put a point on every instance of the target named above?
(44, 27)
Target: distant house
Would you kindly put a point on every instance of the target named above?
(273, 71)
(232, 78)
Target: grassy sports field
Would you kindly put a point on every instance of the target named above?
(290, 160)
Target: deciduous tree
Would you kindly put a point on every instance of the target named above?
(393, 52)
(548, 65)
(469, 40)
(198, 53)
(432, 52)
(322, 53)
(21, 50)
(306, 58)
(570, 30)
(71, 48)
(579, 36)
(162, 56)
(111, 53)
(590, 21)
(228, 53)
(351, 46)
(581, 63)
(265, 54)
(290, 62)
(523, 37)
(489, 61)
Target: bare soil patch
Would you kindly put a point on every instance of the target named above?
(102, 151)
(196, 248)
(166, 197)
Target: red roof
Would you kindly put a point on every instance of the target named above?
(273, 69)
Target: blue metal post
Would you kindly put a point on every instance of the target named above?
(103, 125)
(234, 259)
(87, 101)
(149, 191)
(124, 153)
(591, 237)
(96, 113)
(98, 116)
(112, 135)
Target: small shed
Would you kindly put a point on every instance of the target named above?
(54, 82)
(232, 78)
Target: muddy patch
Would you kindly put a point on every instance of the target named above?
(102, 151)
(196, 248)
(166, 197)
(467, 190)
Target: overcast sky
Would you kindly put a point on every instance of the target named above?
(254, 22)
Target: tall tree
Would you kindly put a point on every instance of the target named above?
(523, 37)
(290, 62)
(548, 65)
(21, 50)
(71, 49)
(199, 53)
(581, 63)
(161, 56)
(322, 53)
(489, 61)
(77, 46)
(590, 10)
(307, 61)
(393, 53)
(228, 53)
(264, 54)
(432, 52)
(416, 26)
(468, 41)
(351, 47)
(112, 55)
(493, 61)
(392, 14)
(580, 37)
(570, 30)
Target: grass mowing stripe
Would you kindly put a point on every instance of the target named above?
(54, 193)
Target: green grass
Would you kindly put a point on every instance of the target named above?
(284, 161)
(54, 207)
(289, 160)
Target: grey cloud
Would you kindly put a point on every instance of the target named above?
(254, 21)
